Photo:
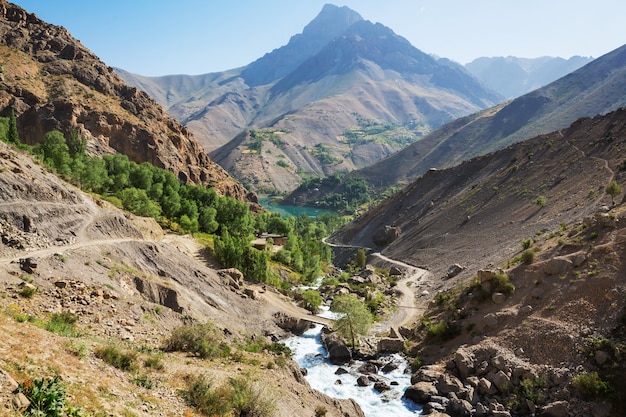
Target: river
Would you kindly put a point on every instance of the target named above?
(309, 353)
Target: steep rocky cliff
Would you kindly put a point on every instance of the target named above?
(52, 81)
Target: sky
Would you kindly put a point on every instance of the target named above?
(162, 37)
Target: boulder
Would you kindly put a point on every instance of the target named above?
(426, 374)
(338, 352)
(501, 381)
(341, 371)
(363, 381)
(420, 393)
(453, 271)
(601, 357)
(555, 409)
(557, 266)
(367, 368)
(449, 383)
(381, 386)
(464, 362)
(395, 271)
(485, 387)
(491, 320)
(459, 408)
(498, 298)
(390, 345)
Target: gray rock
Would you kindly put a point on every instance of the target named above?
(486, 387)
(20, 402)
(459, 408)
(525, 310)
(464, 361)
(501, 381)
(381, 386)
(363, 381)
(498, 362)
(426, 374)
(491, 320)
(449, 383)
(601, 357)
(537, 292)
(498, 298)
(420, 393)
(558, 266)
(555, 409)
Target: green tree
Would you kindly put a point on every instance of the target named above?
(137, 202)
(613, 189)
(361, 258)
(76, 144)
(356, 318)
(312, 300)
(55, 152)
(12, 135)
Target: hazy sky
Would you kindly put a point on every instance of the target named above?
(159, 37)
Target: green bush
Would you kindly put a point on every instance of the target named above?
(527, 243)
(238, 397)
(590, 386)
(63, 323)
(528, 256)
(47, 398)
(28, 291)
(443, 330)
(501, 283)
(126, 361)
(312, 300)
(203, 340)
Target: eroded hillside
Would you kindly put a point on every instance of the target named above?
(125, 286)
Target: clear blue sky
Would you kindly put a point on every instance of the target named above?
(159, 37)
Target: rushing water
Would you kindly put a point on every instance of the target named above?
(310, 354)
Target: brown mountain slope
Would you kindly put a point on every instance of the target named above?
(479, 211)
(53, 82)
(128, 287)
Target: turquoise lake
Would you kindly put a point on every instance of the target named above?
(292, 210)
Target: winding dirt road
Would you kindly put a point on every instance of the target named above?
(407, 309)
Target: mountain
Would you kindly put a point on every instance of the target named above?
(513, 76)
(52, 82)
(597, 88)
(451, 215)
(341, 95)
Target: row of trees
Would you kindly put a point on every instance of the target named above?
(146, 190)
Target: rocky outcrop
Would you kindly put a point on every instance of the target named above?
(53, 82)
(483, 381)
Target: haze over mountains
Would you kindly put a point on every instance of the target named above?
(358, 76)
(514, 76)
(597, 88)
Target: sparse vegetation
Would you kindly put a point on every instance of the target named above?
(613, 189)
(443, 330)
(114, 356)
(237, 397)
(47, 397)
(202, 340)
(591, 387)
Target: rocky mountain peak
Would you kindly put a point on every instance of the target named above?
(331, 21)
(328, 24)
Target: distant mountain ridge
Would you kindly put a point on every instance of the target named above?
(595, 89)
(513, 76)
(311, 96)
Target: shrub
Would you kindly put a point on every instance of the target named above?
(528, 256)
(203, 340)
(63, 323)
(312, 300)
(527, 243)
(237, 397)
(590, 386)
(443, 330)
(501, 283)
(320, 411)
(47, 398)
(28, 291)
(154, 362)
(126, 361)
